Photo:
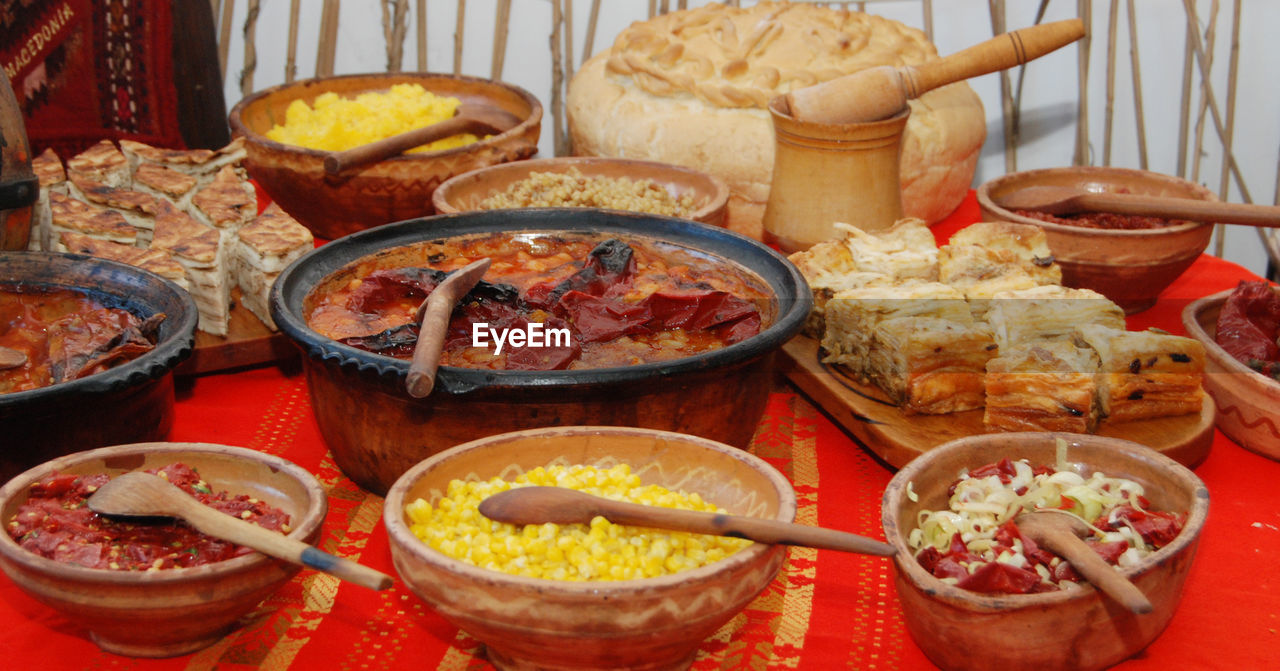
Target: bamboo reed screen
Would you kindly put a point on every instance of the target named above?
(1206, 114)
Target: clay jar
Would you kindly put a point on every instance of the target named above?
(824, 173)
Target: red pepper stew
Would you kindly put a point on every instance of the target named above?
(55, 522)
(1107, 220)
(66, 335)
(621, 301)
(1249, 326)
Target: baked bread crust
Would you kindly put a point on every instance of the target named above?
(691, 88)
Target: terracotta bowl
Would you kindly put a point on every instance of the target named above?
(394, 189)
(1247, 400)
(129, 403)
(1131, 267)
(652, 623)
(172, 611)
(466, 192)
(376, 431)
(1077, 630)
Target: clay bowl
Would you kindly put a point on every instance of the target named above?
(1246, 399)
(466, 192)
(1131, 267)
(1077, 630)
(129, 403)
(171, 611)
(376, 431)
(652, 623)
(390, 190)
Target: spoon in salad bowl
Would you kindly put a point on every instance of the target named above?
(1062, 533)
(560, 505)
(139, 495)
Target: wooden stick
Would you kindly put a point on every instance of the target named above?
(433, 320)
(589, 45)
(926, 8)
(559, 141)
(291, 53)
(326, 51)
(250, 49)
(1184, 114)
(1137, 87)
(1217, 118)
(1211, 34)
(501, 23)
(459, 29)
(1081, 156)
(422, 35)
(1233, 70)
(224, 35)
(568, 41)
(997, 10)
(1109, 110)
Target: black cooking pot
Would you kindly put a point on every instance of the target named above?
(132, 402)
(376, 431)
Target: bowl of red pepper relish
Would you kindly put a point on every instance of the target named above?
(1076, 628)
(669, 324)
(1240, 331)
(56, 308)
(159, 599)
(1127, 259)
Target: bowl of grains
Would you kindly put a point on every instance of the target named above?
(291, 129)
(579, 181)
(153, 588)
(585, 596)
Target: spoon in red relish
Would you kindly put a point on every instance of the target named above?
(11, 358)
(144, 495)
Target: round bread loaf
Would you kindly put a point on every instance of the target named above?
(692, 87)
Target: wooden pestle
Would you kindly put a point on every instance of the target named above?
(881, 92)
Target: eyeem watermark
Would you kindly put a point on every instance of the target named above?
(534, 334)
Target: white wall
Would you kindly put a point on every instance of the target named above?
(1049, 94)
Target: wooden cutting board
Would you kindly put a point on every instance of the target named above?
(898, 437)
(248, 343)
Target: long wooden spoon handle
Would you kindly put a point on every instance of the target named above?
(221, 525)
(999, 53)
(1097, 571)
(338, 162)
(433, 324)
(751, 528)
(1181, 208)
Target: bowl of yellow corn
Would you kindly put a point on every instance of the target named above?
(290, 129)
(589, 596)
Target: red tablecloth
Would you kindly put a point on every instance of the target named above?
(826, 610)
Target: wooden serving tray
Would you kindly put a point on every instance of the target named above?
(248, 343)
(898, 437)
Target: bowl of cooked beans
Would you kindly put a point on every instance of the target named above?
(585, 596)
(1129, 259)
(977, 593)
(583, 317)
(582, 181)
(292, 128)
(153, 588)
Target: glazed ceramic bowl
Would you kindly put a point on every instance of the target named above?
(376, 431)
(171, 611)
(467, 192)
(390, 190)
(129, 403)
(651, 623)
(1078, 629)
(1131, 267)
(1247, 400)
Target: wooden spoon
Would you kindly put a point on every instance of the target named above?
(1070, 200)
(469, 119)
(881, 92)
(1061, 533)
(11, 358)
(139, 494)
(559, 505)
(433, 323)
